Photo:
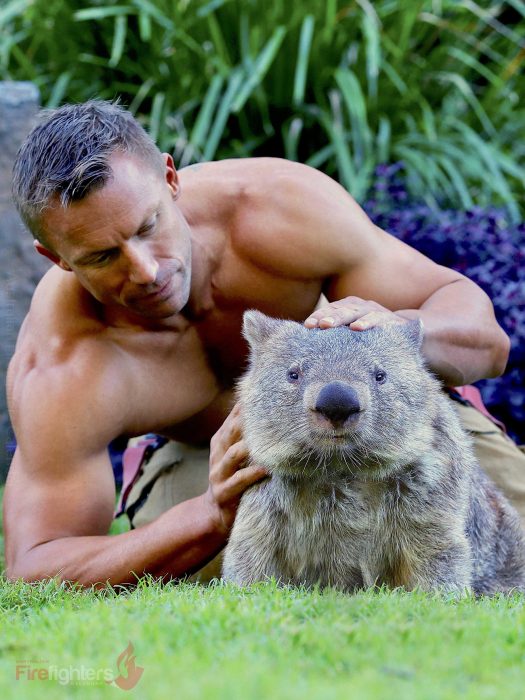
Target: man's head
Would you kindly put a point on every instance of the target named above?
(65, 157)
(99, 198)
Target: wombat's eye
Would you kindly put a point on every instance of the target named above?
(380, 376)
(293, 375)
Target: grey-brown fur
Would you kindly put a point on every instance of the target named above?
(390, 494)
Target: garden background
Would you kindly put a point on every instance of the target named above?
(417, 109)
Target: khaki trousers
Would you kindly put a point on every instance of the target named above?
(178, 472)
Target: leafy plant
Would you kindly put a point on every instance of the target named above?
(343, 86)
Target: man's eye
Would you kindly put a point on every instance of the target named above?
(146, 229)
(148, 226)
(102, 259)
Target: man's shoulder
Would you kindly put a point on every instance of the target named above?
(60, 336)
(294, 220)
(61, 317)
(71, 384)
(251, 181)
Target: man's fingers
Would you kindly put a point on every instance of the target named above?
(228, 434)
(243, 478)
(331, 317)
(341, 312)
(375, 318)
(232, 460)
(359, 314)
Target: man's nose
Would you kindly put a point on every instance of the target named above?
(143, 267)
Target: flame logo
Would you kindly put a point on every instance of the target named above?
(129, 674)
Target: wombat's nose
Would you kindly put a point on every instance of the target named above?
(337, 401)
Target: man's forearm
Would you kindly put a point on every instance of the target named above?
(463, 341)
(180, 541)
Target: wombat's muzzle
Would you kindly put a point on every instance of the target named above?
(337, 402)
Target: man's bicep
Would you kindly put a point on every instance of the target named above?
(60, 483)
(44, 502)
(385, 270)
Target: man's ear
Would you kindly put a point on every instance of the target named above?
(50, 256)
(172, 177)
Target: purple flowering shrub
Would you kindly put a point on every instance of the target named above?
(481, 244)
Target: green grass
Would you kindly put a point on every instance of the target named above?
(264, 642)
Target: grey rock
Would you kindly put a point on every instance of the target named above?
(21, 267)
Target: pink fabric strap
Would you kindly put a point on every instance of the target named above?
(473, 396)
(131, 462)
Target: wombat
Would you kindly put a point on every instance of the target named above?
(373, 480)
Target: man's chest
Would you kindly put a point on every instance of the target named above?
(187, 384)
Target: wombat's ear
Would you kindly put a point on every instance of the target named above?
(257, 327)
(414, 331)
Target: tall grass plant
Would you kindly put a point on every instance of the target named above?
(342, 85)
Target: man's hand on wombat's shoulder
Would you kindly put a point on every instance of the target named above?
(357, 313)
(229, 477)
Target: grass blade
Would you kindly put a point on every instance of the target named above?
(301, 68)
(335, 130)
(155, 119)
(260, 68)
(429, 122)
(149, 8)
(464, 88)
(219, 43)
(457, 181)
(330, 18)
(144, 27)
(119, 40)
(235, 80)
(370, 26)
(395, 78)
(59, 90)
(487, 17)
(490, 158)
(291, 136)
(423, 170)
(204, 118)
(383, 139)
(210, 7)
(13, 9)
(319, 158)
(472, 62)
(141, 95)
(356, 106)
(99, 13)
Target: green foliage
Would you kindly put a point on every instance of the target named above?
(340, 85)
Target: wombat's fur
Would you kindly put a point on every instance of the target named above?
(373, 481)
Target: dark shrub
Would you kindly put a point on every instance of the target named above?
(484, 246)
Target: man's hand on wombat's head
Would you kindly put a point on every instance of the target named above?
(230, 474)
(357, 313)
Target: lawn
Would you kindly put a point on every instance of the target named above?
(263, 642)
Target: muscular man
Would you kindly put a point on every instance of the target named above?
(136, 328)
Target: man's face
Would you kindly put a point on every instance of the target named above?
(127, 243)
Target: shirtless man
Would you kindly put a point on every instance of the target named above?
(136, 328)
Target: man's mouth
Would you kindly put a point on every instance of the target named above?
(159, 294)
